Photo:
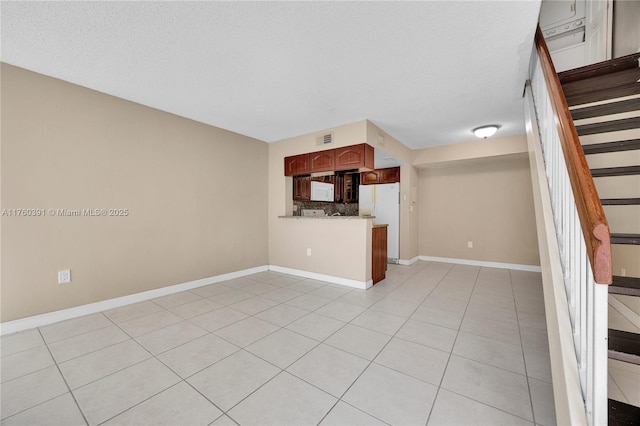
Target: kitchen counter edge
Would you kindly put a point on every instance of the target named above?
(326, 217)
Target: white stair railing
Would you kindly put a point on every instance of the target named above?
(577, 322)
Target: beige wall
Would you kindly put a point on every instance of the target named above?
(408, 185)
(409, 213)
(195, 195)
(194, 192)
(487, 201)
(481, 149)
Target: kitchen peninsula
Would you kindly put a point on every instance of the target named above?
(334, 248)
(338, 249)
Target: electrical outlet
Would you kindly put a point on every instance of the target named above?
(64, 276)
(623, 272)
(308, 252)
(469, 244)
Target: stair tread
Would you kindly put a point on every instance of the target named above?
(603, 95)
(608, 126)
(601, 82)
(599, 68)
(615, 171)
(629, 286)
(623, 414)
(606, 109)
(620, 201)
(624, 346)
(633, 239)
(616, 146)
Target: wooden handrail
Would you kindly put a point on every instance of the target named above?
(592, 219)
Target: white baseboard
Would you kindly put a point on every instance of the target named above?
(91, 308)
(514, 266)
(409, 262)
(363, 285)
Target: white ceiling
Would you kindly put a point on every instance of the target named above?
(426, 72)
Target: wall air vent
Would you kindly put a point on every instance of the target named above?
(325, 139)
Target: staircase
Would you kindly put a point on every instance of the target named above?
(604, 101)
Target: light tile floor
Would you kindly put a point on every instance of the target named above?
(434, 343)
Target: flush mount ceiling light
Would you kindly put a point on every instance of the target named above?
(485, 131)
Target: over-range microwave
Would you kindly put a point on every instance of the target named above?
(321, 191)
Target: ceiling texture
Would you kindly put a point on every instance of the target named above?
(426, 72)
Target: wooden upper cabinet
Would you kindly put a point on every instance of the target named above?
(389, 175)
(296, 165)
(322, 161)
(302, 188)
(354, 157)
(368, 178)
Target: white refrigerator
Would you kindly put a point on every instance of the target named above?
(383, 202)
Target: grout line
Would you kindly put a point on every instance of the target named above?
(370, 361)
(264, 360)
(491, 406)
(319, 342)
(235, 352)
(354, 407)
(524, 360)
(65, 380)
(75, 335)
(475, 281)
(388, 295)
(185, 379)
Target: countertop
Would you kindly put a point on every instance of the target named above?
(327, 217)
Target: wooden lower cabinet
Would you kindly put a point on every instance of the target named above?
(379, 253)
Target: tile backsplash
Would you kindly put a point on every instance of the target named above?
(350, 209)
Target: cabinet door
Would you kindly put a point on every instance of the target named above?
(390, 175)
(338, 183)
(302, 188)
(351, 183)
(322, 161)
(378, 253)
(354, 157)
(371, 177)
(296, 165)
